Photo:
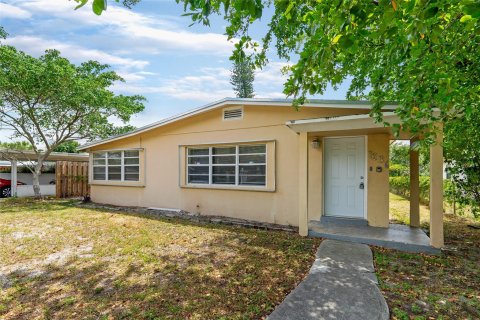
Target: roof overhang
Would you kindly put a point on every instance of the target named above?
(353, 123)
(342, 123)
(346, 104)
(28, 155)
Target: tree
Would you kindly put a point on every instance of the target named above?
(242, 79)
(49, 101)
(68, 146)
(462, 155)
(18, 145)
(422, 54)
(400, 156)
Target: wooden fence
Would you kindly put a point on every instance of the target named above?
(71, 178)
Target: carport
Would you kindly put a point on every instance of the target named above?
(16, 157)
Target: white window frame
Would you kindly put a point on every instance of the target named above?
(122, 165)
(237, 164)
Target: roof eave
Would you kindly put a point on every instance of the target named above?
(237, 101)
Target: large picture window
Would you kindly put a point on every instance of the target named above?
(238, 165)
(116, 165)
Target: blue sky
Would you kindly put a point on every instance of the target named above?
(176, 67)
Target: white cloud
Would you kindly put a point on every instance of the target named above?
(209, 84)
(142, 32)
(135, 76)
(272, 74)
(13, 12)
(37, 46)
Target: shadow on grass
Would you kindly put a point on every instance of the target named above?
(242, 273)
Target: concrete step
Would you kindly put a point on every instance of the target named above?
(398, 242)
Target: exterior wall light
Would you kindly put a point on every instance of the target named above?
(316, 143)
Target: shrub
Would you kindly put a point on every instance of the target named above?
(398, 170)
(401, 186)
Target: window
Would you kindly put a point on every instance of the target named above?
(116, 165)
(239, 165)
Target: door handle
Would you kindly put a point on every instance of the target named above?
(362, 185)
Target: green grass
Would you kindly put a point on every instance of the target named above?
(66, 262)
(446, 286)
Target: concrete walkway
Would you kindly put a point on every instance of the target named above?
(341, 285)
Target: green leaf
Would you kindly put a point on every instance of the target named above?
(335, 40)
(430, 13)
(345, 42)
(287, 11)
(81, 4)
(466, 18)
(99, 6)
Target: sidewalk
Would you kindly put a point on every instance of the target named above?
(341, 285)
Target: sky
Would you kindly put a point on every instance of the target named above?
(175, 66)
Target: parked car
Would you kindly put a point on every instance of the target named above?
(6, 187)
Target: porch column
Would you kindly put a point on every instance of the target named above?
(414, 188)
(436, 192)
(13, 177)
(303, 184)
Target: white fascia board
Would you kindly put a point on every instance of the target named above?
(351, 122)
(341, 123)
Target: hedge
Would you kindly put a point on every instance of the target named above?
(401, 187)
(398, 170)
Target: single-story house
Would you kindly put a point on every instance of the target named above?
(262, 160)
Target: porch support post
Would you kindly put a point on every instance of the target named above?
(303, 184)
(436, 192)
(414, 188)
(13, 177)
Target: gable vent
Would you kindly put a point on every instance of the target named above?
(232, 113)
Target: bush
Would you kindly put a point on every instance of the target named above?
(401, 186)
(398, 170)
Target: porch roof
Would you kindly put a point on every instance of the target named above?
(342, 123)
(28, 155)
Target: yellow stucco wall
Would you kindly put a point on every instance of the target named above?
(378, 183)
(164, 188)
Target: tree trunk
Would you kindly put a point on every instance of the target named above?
(36, 178)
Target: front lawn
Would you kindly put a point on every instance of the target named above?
(420, 286)
(65, 262)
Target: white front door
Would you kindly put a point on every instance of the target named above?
(344, 177)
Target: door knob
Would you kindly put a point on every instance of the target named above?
(362, 185)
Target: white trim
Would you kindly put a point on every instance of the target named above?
(365, 176)
(350, 122)
(13, 178)
(122, 166)
(237, 164)
(365, 202)
(339, 104)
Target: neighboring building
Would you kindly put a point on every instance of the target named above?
(254, 159)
